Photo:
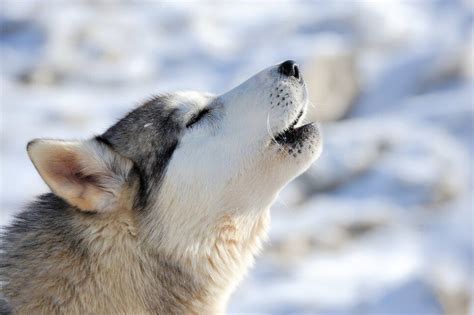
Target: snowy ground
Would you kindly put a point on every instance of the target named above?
(381, 224)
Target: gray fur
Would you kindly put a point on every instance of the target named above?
(50, 226)
(4, 307)
(149, 148)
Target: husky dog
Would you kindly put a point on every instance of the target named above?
(164, 212)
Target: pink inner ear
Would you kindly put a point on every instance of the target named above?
(76, 175)
(65, 168)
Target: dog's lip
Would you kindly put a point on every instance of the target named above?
(293, 135)
(292, 125)
(297, 119)
(290, 133)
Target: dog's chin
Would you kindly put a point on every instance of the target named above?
(301, 143)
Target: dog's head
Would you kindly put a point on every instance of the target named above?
(191, 155)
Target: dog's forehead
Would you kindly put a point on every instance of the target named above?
(166, 112)
(171, 108)
(187, 102)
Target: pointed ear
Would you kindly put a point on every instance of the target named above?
(87, 174)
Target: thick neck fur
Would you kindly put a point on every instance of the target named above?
(101, 264)
(198, 276)
(217, 253)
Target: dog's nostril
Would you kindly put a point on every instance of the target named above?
(290, 69)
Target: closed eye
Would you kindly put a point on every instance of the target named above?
(197, 117)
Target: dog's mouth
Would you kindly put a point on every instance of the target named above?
(292, 134)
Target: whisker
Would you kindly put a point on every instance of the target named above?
(281, 202)
(273, 137)
(270, 132)
(311, 104)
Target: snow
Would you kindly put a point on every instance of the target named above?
(382, 223)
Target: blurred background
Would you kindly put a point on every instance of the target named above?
(382, 223)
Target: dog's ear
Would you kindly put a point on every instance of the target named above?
(87, 174)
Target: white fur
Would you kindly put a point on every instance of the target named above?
(227, 166)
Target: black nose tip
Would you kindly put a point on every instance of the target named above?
(290, 69)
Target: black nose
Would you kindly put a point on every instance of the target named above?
(290, 69)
